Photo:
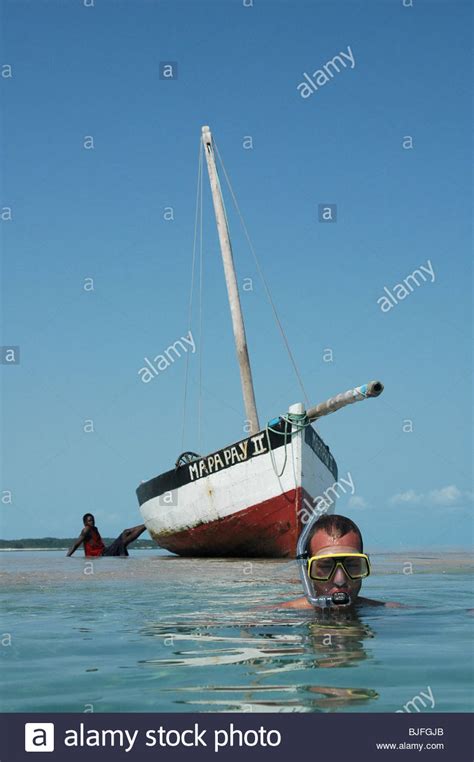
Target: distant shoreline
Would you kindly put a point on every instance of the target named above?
(405, 554)
(66, 547)
(61, 543)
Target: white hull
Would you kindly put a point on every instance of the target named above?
(270, 491)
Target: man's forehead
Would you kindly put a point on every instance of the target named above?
(321, 541)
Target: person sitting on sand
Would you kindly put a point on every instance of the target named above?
(94, 545)
(336, 562)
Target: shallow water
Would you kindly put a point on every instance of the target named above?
(156, 633)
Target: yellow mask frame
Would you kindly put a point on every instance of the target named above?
(338, 561)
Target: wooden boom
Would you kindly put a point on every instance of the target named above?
(372, 389)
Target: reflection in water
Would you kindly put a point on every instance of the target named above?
(339, 642)
(135, 622)
(260, 651)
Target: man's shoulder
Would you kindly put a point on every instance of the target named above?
(296, 603)
(372, 602)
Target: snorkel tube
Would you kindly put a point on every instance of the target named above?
(320, 601)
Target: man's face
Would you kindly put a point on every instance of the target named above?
(89, 521)
(322, 543)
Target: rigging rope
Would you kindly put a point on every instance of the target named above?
(193, 267)
(265, 284)
(297, 420)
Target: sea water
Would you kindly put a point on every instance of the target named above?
(157, 633)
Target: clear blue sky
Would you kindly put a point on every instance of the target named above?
(78, 214)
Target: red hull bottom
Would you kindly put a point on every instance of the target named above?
(269, 529)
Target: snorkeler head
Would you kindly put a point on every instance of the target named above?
(336, 526)
(331, 558)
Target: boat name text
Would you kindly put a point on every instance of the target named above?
(229, 456)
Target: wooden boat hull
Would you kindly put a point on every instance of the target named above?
(247, 500)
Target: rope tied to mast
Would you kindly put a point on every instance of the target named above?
(198, 236)
(263, 279)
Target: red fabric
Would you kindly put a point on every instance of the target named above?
(94, 546)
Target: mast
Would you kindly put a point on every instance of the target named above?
(232, 288)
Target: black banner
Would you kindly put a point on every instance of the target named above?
(320, 737)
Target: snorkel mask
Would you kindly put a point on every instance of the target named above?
(322, 567)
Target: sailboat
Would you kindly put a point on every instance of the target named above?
(251, 497)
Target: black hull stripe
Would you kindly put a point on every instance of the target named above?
(178, 477)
